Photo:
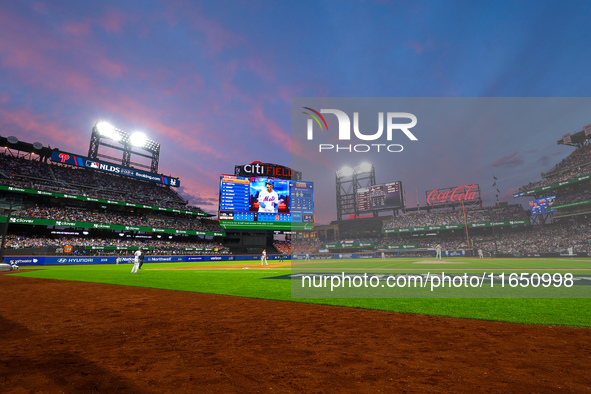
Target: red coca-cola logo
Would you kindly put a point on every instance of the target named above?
(460, 193)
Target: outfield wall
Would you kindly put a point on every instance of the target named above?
(82, 260)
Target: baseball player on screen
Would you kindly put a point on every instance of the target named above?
(269, 199)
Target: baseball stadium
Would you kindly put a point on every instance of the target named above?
(395, 294)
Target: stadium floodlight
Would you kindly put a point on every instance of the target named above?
(103, 134)
(138, 139)
(363, 168)
(108, 131)
(344, 172)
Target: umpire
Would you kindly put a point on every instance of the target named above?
(142, 258)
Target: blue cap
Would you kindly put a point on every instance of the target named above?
(270, 182)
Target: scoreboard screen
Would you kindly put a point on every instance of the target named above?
(265, 203)
(542, 205)
(387, 195)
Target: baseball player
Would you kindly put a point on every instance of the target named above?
(269, 199)
(264, 257)
(480, 254)
(438, 252)
(383, 256)
(118, 260)
(570, 252)
(307, 257)
(136, 261)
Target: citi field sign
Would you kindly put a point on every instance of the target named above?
(453, 194)
(395, 126)
(270, 170)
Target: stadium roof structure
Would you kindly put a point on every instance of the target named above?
(577, 140)
(12, 143)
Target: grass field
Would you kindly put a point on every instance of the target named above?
(252, 282)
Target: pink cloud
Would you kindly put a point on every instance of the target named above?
(420, 47)
(271, 127)
(28, 124)
(508, 161)
(77, 28)
(113, 21)
(110, 68)
(191, 140)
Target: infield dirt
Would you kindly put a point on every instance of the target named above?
(60, 336)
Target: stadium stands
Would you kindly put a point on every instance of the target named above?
(28, 172)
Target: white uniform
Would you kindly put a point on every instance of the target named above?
(264, 258)
(268, 201)
(307, 257)
(570, 251)
(480, 254)
(383, 256)
(118, 260)
(438, 252)
(136, 261)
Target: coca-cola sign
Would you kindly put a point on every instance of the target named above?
(453, 194)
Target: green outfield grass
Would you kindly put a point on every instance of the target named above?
(252, 283)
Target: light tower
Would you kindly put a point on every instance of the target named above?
(103, 134)
(348, 181)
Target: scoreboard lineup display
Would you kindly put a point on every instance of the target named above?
(386, 195)
(248, 203)
(542, 205)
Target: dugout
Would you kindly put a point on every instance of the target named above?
(249, 241)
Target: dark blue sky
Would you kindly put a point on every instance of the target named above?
(213, 81)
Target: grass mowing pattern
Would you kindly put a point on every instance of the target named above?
(251, 283)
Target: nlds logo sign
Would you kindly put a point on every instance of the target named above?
(103, 167)
(392, 128)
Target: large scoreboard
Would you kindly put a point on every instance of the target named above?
(384, 196)
(265, 203)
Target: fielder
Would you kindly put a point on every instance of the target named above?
(136, 261)
(264, 257)
(480, 254)
(438, 252)
(118, 260)
(307, 257)
(570, 252)
(383, 256)
(269, 199)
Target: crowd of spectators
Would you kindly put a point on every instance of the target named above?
(79, 214)
(569, 195)
(161, 246)
(448, 242)
(449, 217)
(554, 238)
(283, 246)
(306, 245)
(577, 164)
(579, 157)
(55, 177)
